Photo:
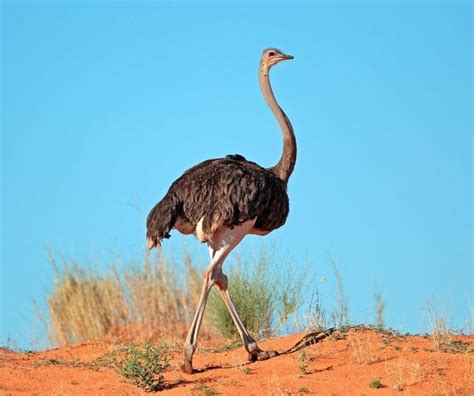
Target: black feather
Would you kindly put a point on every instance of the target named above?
(236, 157)
(228, 190)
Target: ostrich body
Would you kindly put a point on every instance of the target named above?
(221, 201)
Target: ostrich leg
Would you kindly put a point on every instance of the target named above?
(224, 240)
(255, 353)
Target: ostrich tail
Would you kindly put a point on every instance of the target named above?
(161, 220)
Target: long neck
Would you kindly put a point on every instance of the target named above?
(286, 164)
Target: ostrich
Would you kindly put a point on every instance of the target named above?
(222, 200)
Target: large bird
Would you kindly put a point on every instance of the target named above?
(222, 200)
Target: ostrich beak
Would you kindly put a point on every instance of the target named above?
(286, 57)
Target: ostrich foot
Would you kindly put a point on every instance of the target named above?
(261, 355)
(187, 366)
(264, 355)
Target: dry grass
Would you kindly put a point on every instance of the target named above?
(441, 334)
(143, 302)
(362, 349)
(315, 317)
(379, 309)
(155, 300)
(83, 305)
(402, 373)
(158, 301)
(341, 314)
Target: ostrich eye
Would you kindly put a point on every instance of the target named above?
(271, 53)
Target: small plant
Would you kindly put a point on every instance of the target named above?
(62, 362)
(379, 309)
(143, 365)
(401, 373)
(245, 369)
(316, 316)
(303, 358)
(304, 389)
(469, 323)
(341, 314)
(362, 347)
(442, 338)
(207, 390)
(376, 384)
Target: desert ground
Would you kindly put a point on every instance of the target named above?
(354, 361)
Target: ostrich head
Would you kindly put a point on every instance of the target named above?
(271, 56)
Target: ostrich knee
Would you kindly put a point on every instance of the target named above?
(222, 282)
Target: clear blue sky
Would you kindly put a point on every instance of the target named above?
(105, 104)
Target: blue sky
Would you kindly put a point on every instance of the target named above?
(105, 104)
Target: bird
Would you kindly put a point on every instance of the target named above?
(221, 201)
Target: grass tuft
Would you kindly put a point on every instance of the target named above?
(341, 314)
(376, 384)
(143, 302)
(316, 315)
(204, 389)
(441, 334)
(379, 309)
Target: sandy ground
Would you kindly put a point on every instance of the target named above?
(343, 363)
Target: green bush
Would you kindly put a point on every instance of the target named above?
(264, 299)
(143, 365)
(376, 384)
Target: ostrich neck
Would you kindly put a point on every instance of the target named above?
(286, 164)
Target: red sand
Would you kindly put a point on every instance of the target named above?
(408, 365)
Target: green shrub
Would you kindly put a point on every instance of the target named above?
(143, 365)
(375, 383)
(204, 389)
(263, 299)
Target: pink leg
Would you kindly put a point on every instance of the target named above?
(224, 241)
(255, 353)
